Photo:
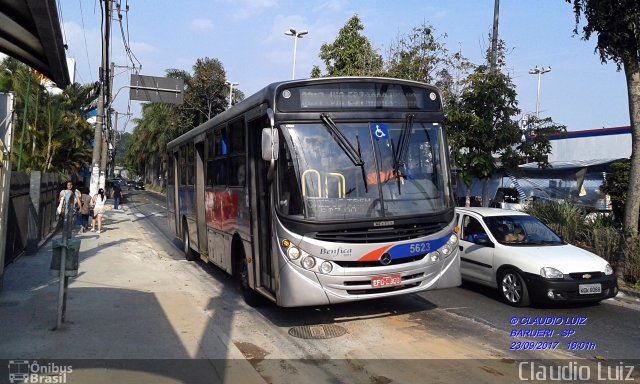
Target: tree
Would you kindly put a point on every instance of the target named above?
(351, 54)
(205, 96)
(56, 134)
(616, 186)
(483, 130)
(616, 25)
(418, 56)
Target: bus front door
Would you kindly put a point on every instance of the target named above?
(261, 214)
(200, 202)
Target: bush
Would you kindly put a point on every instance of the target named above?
(567, 220)
(632, 260)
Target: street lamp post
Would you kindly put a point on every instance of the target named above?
(231, 85)
(296, 35)
(539, 72)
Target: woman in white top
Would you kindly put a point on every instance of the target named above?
(97, 202)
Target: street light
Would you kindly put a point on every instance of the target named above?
(296, 35)
(539, 72)
(230, 90)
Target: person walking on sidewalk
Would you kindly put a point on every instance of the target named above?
(75, 200)
(117, 195)
(98, 209)
(85, 208)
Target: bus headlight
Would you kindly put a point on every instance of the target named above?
(446, 250)
(308, 262)
(435, 256)
(293, 253)
(326, 267)
(453, 240)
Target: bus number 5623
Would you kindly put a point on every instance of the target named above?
(419, 248)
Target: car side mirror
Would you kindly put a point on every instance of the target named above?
(484, 242)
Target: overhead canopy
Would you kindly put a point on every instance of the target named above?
(30, 32)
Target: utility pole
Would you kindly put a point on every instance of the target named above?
(494, 36)
(98, 172)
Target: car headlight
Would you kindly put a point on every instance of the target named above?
(551, 273)
(608, 270)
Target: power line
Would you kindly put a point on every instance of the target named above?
(86, 48)
(125, 39)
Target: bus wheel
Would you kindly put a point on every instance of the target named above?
(251, 297)
(186, 244)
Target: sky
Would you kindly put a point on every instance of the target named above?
(247, 36)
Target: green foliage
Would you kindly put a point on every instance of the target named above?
(121, 147)
(206, 95)
(418, 56)
(351, 54)
(615, 23)
(56, 134)
(616, 185)
(565, 219)
(632, 260)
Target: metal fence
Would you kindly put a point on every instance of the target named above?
(31, 214)
(17, 216)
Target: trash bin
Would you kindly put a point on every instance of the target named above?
(71, 263)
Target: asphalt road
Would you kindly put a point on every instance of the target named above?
(607, 330)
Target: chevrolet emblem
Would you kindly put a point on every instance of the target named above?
(586, 276)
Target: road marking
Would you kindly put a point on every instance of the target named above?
(140, 215)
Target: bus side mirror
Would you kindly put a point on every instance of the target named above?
(270, 144)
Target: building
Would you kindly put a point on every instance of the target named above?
(592, 144)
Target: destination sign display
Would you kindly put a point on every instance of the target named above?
(341, 96)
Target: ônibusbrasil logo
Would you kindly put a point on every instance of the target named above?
(25, 371)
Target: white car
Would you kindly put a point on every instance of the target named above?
(526, 261)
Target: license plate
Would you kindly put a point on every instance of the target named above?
(386, 281)
(589, 289)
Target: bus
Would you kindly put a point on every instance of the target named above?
(320, 191)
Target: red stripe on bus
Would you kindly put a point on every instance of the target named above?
(375, 254)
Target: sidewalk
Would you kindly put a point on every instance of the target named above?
(124, 304)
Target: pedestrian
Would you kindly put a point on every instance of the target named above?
(85, 209)
(74, 198)
(98, 210)
(117, 195)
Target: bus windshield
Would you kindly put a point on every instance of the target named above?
(321, 178)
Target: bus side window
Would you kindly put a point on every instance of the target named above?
(237, 169)
(210, 159)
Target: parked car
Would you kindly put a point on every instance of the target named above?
(527, 261)
(139, 186)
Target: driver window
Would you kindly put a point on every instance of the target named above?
(472, 230)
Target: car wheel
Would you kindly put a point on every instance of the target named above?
(189, 254)
(514, 289)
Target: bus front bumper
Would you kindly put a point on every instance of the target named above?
(299, 287)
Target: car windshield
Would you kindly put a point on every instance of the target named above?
(521, 230)
(321, 178)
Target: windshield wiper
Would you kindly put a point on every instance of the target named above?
(345, 144)
(403, 143)
(341, 140)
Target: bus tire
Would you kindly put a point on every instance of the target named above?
(251, 297)
(189, 254)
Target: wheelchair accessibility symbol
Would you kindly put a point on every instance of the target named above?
(379, 131)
